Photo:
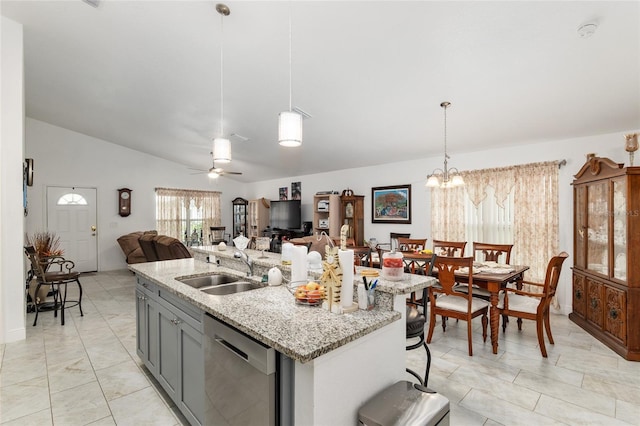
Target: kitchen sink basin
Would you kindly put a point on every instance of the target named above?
(209, 280)
(231, 288)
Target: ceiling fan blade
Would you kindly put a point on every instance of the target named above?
(224, 172)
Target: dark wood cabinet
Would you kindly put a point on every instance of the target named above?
(606, 273)
(352, 215)
(240, 206)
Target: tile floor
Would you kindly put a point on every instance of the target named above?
(88, 373)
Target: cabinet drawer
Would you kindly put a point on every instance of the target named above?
(147, 287)
(579, 295)
(594, 305)
(185, 310)
(615, 318)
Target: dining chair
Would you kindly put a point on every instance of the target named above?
(448, 302)
(411, 244)
(533, 305)
(55, 272)
(492, 252)
(217, 234)
(488, 253)
(415, 322)
(393, 239)
(449, 248)
(427, 268)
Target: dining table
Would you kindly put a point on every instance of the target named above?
(492, 279)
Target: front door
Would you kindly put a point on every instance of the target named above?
(71, 214)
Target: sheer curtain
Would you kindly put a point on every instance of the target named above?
(510, 205)
(173, 205)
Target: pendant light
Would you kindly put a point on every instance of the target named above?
(445, 178)
(290, 122)
(222, 145)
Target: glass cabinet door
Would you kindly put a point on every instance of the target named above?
(598, 227)
(619, 229)
(580, 223)
(239, 217)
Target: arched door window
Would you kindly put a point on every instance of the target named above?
(72, 199)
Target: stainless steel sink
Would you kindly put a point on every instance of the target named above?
(209, 280)
(231, 288)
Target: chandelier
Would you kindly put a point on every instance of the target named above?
(446, 177)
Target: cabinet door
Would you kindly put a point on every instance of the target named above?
(147, 329)
(580, 223)
(142, 332)
(619, 229)
(594, 302)
(192, 373)
(579, 295)
(615, 319)
(168, 351)
(598, 227)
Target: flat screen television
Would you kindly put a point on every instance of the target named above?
(285, 214)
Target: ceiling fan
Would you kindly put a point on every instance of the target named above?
(215, 172)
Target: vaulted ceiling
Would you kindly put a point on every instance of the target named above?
(146, 75)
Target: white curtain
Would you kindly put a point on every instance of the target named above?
(514, 205)
(172, 208)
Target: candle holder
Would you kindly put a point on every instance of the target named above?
(631, 146)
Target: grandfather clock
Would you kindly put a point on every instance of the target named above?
(124, 202)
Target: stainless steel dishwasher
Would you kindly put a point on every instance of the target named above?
(246, 382)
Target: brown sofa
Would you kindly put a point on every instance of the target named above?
(168, 248)
(149, 247)
(131, 247)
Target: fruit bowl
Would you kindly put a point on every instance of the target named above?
(307, 292)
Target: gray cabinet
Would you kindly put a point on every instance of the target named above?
(170, 342)
(146, 326)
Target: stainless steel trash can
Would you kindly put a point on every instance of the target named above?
(403, 404)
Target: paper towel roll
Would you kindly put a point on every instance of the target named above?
(346, 263)
(299, 263)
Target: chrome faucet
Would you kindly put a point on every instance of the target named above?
(245, 258)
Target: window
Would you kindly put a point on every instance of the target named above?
(187, 214)
(71, 199)
(488, 221)
(512, 205)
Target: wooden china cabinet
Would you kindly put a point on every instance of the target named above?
(239, 217)
(352, 214)
(606, 243)
(258, 217)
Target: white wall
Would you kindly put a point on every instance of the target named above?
(12, 278)
(414, 172)
(66, 158)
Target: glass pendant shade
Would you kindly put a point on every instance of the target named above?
(221, 150)
(433, 181)
(290, 129)
(457, 180)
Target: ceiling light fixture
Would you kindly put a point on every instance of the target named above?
(222, 145)
(290, 122)
(445, 178)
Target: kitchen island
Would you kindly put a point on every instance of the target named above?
(338, 361)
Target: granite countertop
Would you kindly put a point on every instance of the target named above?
(270, 314)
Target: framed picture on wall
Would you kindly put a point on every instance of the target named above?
(296, 190)
(283, 193)
(391, 204)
